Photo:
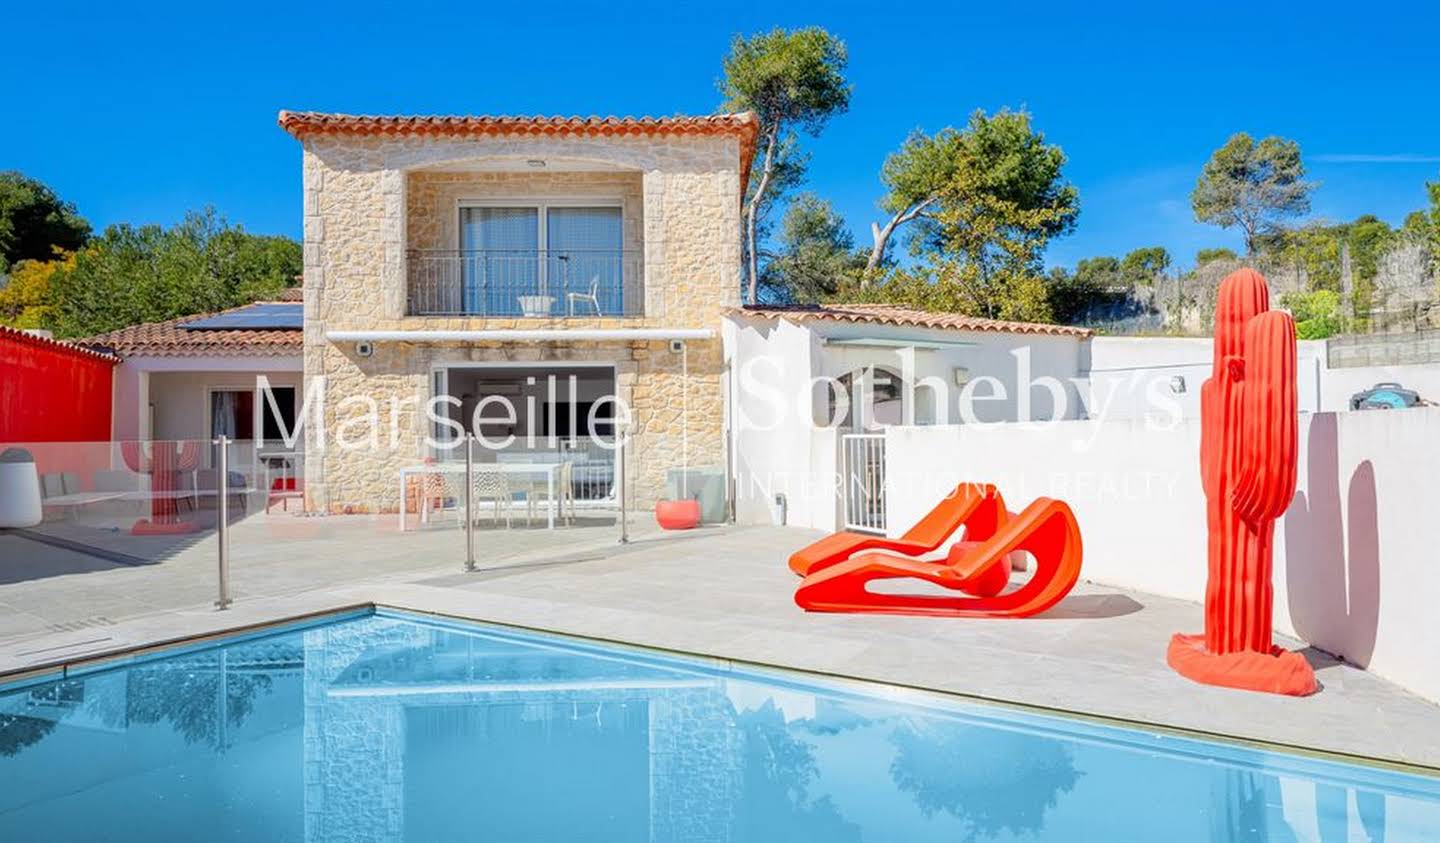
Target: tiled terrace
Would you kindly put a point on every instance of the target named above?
(725, 593)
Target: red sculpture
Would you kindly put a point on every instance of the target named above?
(1248, 452)
(164, 462)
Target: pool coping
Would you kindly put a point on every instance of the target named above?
(135, 653)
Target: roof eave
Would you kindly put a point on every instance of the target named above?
(742, 125)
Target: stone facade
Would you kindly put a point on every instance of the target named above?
(369, 198)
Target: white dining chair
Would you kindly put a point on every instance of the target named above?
(491, 486)
(566, 491)
(592, 297)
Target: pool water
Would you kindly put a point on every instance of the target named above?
(394, 727)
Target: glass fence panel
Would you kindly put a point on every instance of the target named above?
(94, 532)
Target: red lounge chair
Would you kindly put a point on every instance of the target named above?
(975, 506)
(1046, 529)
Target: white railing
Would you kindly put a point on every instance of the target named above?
(862, 472)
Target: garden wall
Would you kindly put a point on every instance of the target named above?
(1355, 570)
(53, 391)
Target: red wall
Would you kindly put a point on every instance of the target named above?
(52, 392)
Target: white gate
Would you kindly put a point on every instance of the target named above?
(862, 469)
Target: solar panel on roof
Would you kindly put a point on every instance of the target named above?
(255, 317)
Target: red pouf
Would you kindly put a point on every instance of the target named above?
(677, 515)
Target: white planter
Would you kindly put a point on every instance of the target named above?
(19, 495)
(536, 305)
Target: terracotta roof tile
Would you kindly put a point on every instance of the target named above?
(290, 294)
(170, 339)
(888, 314)
(299, 123)
(743, 125)
(20, 337)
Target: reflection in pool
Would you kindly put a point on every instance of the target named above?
(394, 728)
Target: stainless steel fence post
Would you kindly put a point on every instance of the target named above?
(469, 502)
(222, 517)
(620, 484)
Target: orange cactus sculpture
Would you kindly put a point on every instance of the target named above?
(1248, 454)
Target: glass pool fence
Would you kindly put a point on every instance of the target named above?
(95, 532)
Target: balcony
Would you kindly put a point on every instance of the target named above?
(546, 284)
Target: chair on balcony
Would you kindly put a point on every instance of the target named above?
(593, 297)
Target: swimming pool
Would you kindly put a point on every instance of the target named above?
(400, 727)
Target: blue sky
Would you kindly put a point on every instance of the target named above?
(138, 112)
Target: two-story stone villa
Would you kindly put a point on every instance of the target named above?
(475, 256)
(487, 257)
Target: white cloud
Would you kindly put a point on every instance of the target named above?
(1369, 158)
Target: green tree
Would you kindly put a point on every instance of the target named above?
(816, 252)
(1006, 199)
(1313, 249)
(27, 301)
(1204, 256)
(1416, 226)
(1433, 189)
(1143, 267)
(34, 222)
(1424, 225)
(1098, 283)
(915, 178)
(1069, 296)
(1320, 252)
(1317, 313)
(1100, 273)
(129, 275)
(1019, 294)
(1252, 185)
(793, 81)
(1369, 238)
(982, 240)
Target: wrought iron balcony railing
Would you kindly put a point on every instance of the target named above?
(535, 283)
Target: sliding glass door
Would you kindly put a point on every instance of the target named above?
(542, 260)
(584, 256)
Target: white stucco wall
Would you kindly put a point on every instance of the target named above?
(176, 386)
(1129, 377)
(1354, 555)
(1127, 373)
(182, 403)
(777, 446)
(1339, 384)
(772, 438)
(987, 355)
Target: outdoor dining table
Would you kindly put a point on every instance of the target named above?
(550, 470)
